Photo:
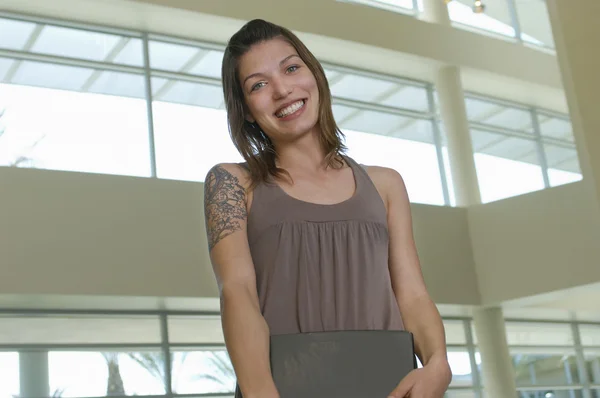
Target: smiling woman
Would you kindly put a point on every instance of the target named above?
(303, 239)
(257, 87)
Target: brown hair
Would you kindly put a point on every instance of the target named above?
(251, 142)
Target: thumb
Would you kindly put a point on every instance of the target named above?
(402, 390)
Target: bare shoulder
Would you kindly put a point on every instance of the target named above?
(388, 181)
(225, 201)
(230, 172)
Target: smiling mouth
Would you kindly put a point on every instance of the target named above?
(290, 109)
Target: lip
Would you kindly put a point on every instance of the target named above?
(288, 104)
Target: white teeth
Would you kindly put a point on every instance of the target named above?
(290, 109)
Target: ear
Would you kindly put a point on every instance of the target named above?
(249, 118)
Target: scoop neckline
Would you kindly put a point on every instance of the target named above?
(357, 186)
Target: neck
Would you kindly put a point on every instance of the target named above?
(305, 153)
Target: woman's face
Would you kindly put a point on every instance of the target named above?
(281, 92)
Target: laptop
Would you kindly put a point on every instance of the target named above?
(348, 364)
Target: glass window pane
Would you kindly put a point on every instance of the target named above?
(563, 164)
(200, 140)
(209, 65)
(119, 84)
(180, 92)
(538, 334)
(389, 5)
(506, 166)
(407, 97)
(592, 364)
(460, 364)
(31, 329)
(496, 19)
(50, 75)
(187, 59)
(95, 46)
(415, 161)
(551, 393)
(195, 329)
(362, 88)
(169, 56)
(97, 374)
(75, 131)
(455, 332)
(9, 376)
(498, 115)
(535, 22)
(590, 335)
(203, 372)
(14, 34)
(460, 393)
(545, 369)
(554, 127)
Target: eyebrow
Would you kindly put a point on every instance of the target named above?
(283, 61)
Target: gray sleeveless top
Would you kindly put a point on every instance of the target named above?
(322, 267)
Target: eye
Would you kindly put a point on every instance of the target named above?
(257, 86)
(292, 68)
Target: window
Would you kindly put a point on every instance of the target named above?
(203, 372)
(89, 118)
(388, 122)
(518, 149)
(90, 90)
(545, 367)
(545, 359)
(123, 354)
(411, 7)
(496, 19)
(73, 330)
(9, 376)
(462, 355)
(195, 329)
(559, 148)
(534, 22)
(92, 374)
(190, 123)
(551, 393)
(526, 21)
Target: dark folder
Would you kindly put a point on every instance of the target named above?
(348, 364)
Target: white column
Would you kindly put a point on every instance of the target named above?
(496, 365)
(456, 125)
(33, 367)
(436, 11)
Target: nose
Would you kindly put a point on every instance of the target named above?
(281, 88)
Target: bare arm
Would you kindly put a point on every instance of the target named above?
(246, 332)
(419, 313)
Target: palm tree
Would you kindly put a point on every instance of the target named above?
(154, 363)
(24, 159)
(114, 385)
(223, 370)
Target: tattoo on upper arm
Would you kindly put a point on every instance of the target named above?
(224, 205)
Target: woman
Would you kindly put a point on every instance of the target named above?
(301, 237)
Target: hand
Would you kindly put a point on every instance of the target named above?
(430, 381)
